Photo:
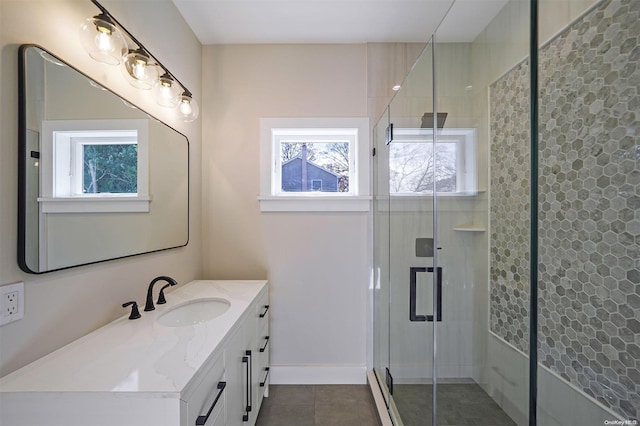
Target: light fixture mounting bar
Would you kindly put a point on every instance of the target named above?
(141, 46)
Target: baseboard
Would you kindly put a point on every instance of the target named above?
(318, 375)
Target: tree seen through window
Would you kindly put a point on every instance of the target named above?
(110, 168)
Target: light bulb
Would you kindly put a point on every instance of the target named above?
(188, 108)
(166, 92)
(139, 70)
(185, 108)
(102, 40)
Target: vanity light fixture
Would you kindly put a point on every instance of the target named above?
(188, 107)
(166, 92)
(102, 39)
(107, 41)
(139, 71)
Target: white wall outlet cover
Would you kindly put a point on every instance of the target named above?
(11, 302)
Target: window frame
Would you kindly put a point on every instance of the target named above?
(273, 199)
(60, 142)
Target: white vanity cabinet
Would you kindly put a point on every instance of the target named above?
(246, 360)
(141, 373)
(263, 339)
(237, 357)
(204, 404)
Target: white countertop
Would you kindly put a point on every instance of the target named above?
(139, 355)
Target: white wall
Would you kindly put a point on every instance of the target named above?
(62, 306)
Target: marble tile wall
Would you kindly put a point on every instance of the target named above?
(589, 222)
(509, 207)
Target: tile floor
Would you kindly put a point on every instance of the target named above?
(352, 405)
(326, 405)
(459, 404)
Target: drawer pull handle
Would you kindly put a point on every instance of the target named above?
(266, 309)
(264, 348)
(264, 382)
(201, 420)
(248, 391)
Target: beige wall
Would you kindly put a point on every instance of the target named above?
(62, 306)
(316, 262)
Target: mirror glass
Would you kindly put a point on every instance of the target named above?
(99, 179)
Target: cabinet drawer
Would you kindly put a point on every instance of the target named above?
(262, 362)
(263, 310)
(205, 402)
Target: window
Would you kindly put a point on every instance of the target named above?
(95, 166)
(323, 156)
(316, 184)
(104, 166)
(310, 164)
(412, 169)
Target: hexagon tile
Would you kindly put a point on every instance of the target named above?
(589, 201)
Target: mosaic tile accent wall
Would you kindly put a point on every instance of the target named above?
(589, 223)
(509, 208)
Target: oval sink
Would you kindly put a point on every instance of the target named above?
(194, 312)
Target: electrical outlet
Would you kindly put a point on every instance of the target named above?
(12, 303)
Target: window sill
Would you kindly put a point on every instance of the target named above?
(139, 204)
(459, 194)
(315, 204)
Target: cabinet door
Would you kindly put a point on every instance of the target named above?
(245, 365)
(203, 403)
(238, 362)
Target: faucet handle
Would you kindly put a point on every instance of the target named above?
(135, 314)
(161, 299)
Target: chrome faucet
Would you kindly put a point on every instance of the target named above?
(149, 305)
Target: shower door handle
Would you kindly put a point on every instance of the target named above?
(413, 280)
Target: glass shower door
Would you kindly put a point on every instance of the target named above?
(381, 255)
(452, 282)
(414, 309)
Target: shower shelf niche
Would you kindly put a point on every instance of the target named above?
(469, 227)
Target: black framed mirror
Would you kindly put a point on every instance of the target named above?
(99, 179)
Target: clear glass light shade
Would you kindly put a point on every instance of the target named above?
(139, 70)
(102, 40)
(166, 92)
(187, 108)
